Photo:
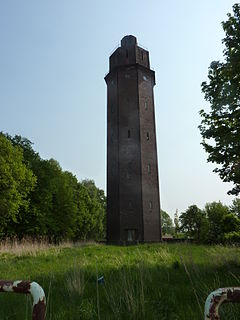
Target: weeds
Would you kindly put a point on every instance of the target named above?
(32, 247)
(144, 282)
(75, 282)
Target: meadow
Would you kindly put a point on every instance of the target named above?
(149, 281)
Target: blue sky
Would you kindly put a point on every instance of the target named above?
(54, 56)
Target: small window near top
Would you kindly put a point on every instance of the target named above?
(148, 136)
(142, 55)
(145, 105)
(150, 205)
(129, 134)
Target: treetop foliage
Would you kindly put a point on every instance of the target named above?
(167, 224)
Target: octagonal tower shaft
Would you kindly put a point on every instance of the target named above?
(133, 206)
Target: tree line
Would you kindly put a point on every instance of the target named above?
(39, 199)
(216, 223)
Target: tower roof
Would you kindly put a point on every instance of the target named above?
(129, 53)
(128, 41)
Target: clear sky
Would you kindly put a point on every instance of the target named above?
(54, 56)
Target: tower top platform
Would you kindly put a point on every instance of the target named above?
(129, 53)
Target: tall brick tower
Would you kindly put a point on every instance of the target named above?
(133, 206)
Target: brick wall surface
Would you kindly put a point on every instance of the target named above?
(133, 207)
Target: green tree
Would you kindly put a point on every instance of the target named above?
(33, 223)
(194, 223)
(16, 184)
(167, 224)
(176, 221)
(220, 127)
(62, 215)
(59, 207)
(235, 207)
(231, 223)
(216, 213)
(96, 204)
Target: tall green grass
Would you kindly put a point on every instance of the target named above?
(157, 281)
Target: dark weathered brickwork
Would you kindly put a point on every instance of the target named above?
(133, 207)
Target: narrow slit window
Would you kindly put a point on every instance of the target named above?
(145, 105)
(150, 205)
(142, 55)
(129, 134)
(149, 168)
(148, 136)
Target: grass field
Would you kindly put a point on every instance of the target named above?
(157, 281)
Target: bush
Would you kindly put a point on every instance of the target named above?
(232, 237)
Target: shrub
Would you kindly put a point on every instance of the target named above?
(232, 237)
